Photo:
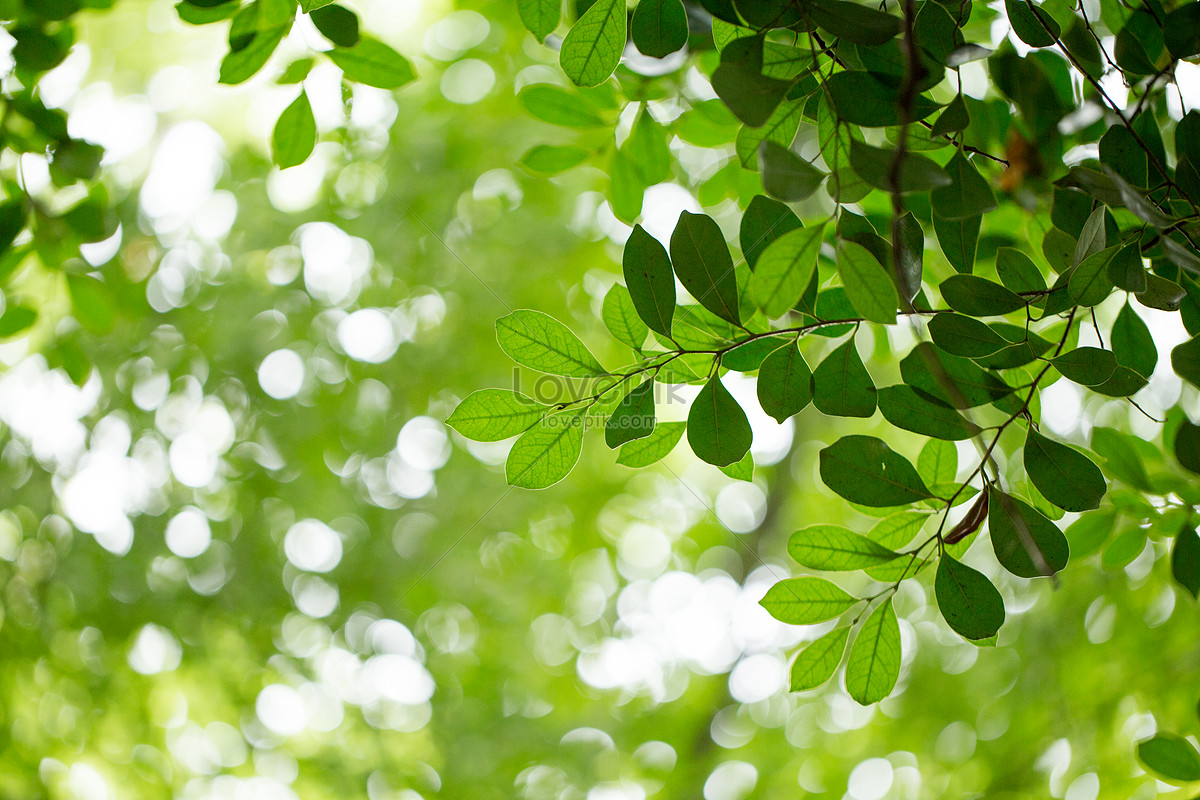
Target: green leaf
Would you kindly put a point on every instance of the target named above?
(490, 415)
(1092, 239)
(965, 336)
(194, 15)
(1187, 446)
(546, 452)
(1088, 366)
(592, 48)
(1160, 293)
(780, 127)
(539, 341)
(702, 262)
(647, 270)
(1126, 270)
(874, 662)
(1185, 561)
(540, 17)
(836, 549)
(559, 107)
(1086, 534)
(660, 27)
(860, 99)
(548, 159)
(958, 239)
(373, 63)
(906, 408)
(784, 270)
(1181, 31)
(966, 195)
(1121, 456)
(786, 175)
(874, 165)
(785, 383)
(896, 530)
(953, 119)
(928, 367)
(717, 428)
(937, 463)
(854, 22)
(806, 601)
(337, 24)
(93, 303)
(1018, 272)
(295, 72)
(979, 297)
(1172, 757)
(866, 471)
(653, 448)
(969, 603)
(739, 82)
(1124, 383)
(749, 356)
(910, 257)
(1090, 284)
(1066, 477)
(741, 470)
(1026, 543)
(815, 664)
(633, 418)
(869, 287)
(1035, 27)
(240, 65)
(842, 387)
(647, 147)
(621, 318)
(764, 221)
(1185, 360)
(295, 133)
(16, 319)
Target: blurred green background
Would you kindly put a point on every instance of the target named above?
(246, 559)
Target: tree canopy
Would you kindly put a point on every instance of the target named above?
(315, 314)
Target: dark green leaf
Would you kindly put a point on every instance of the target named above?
(874, 165)
(1090, 284)
(928, 368)
(836, 549)
(970, 604)
(965, 336)
(954, 119)
(1187, 446)
(644, 452)
(195, 15)
(1160, 293)
(854, 22)
(842, 387)
(1035, 27)
(633, 418)
(1181, 31)
(806, 601)
(647, 270)
(1185, 558)
(373, 63)
(869, 287)
(966, 195)
(786, 175)
(1093, 237)
(874, 662)
(815, 664)
(295, 133)
(539, 341)
(241, 64)
(979, 297)
(1124, 383)
(764, 221)
(958, 239)
(546, 452)
(1026, 543)
(1172, 757)
(337, 24)
(1126, 269)
(1067, 478)
(1185, 360)
(910, 258)
(751, 355)
(702, 262)
(1018, 272)
(906, 408)
(860, 99)
(16, 319)
(490, 415)
(592, 49)
(739, 82)
(1088, 366)
(660, 27)
(717, 428)
(785, 383)
(1132, 344)
(866, 471)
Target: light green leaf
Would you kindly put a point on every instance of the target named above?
(937, 462)
(806, 601)
(547, 159)
(644, 452)
(295, 133)
(490, 415)
(540, 16)
(834, 548)
(539, 341)
(815, 664)
(592, 48)
(621, 318)
(373, 63)
(546, 452)
(870, 289)
(874, 662)
(784, 270)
